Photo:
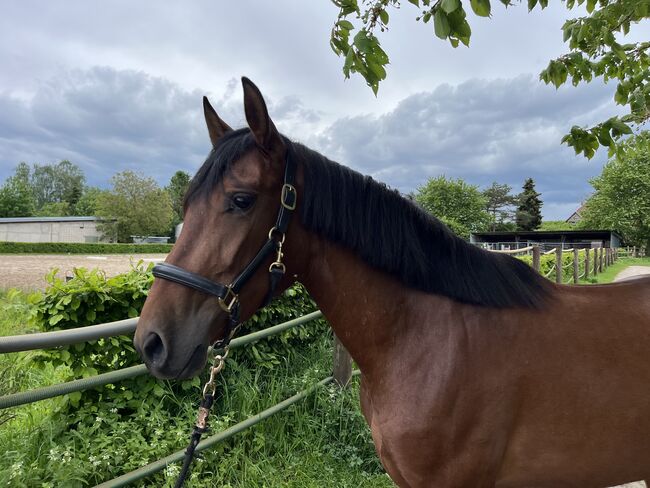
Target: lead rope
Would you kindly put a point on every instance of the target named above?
(209, 390)
(277, 270)
(201, 426)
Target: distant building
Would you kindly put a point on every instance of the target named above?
(51, 229)
(576, 216)
(546, 239)
(150, 239)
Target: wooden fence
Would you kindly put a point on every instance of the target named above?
(585, 262)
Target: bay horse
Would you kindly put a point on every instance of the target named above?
(475, 370)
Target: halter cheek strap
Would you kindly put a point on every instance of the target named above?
(228, 295)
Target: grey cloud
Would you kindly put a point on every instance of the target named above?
(482, 131)
(107, 120)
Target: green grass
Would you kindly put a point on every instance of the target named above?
(321, 441)
(611, 272)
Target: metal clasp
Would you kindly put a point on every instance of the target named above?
(279, 254)
(289, 190)
(218, 363)
(229, 300)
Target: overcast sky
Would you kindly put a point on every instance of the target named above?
(117, 85)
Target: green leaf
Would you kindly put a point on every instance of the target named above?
(621, 94)
(362, 42)
(441, 24)
(415, 2)
(619, 51)
(349, 62)
(55, 319)
(377, 69)
(481, 7)
(450, 5)
(345, 24)
(91, 315)
(74, 397)
(383, 15)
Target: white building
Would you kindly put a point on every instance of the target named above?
(50, 229)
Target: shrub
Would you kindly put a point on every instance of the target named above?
(81, 248)
(92, 298)
(547, 265)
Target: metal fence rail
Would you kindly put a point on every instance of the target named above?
(46, 340)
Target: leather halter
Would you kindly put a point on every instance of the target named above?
(228, 295)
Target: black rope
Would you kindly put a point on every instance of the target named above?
(206, 403)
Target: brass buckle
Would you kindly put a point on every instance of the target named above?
(286, 190)
(227, 302)
(272, 231)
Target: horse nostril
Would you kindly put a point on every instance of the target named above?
(154, 350)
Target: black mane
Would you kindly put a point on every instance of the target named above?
(388, 231)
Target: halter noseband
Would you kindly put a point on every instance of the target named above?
(228, 295)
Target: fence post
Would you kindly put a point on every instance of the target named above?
(600, 260)
(576, 265)
(342, 364)
(558, 264)
(633, 251)
(595, 261)
(536, 258)
(587, 263)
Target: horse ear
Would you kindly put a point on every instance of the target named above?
(261, 125)
(217, 128)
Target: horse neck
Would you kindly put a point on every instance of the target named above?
(367, 309)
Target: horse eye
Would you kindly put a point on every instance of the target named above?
(242, 201)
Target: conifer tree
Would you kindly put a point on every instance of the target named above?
(529, 211)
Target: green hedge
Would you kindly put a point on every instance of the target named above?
(81, 248)
(92, 298)
(547, 263)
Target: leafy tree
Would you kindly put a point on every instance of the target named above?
(54, 209)
(87, 204)
(177, 187)
(16, 197)
(55, 183)
(498, 203)
(458, 204)
(529, 210)
(136, 205)
(621, 200)
(596, 49)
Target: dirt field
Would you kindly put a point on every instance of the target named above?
(26, 271)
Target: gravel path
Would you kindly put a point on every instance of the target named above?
(632, 272)
(27, 271)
